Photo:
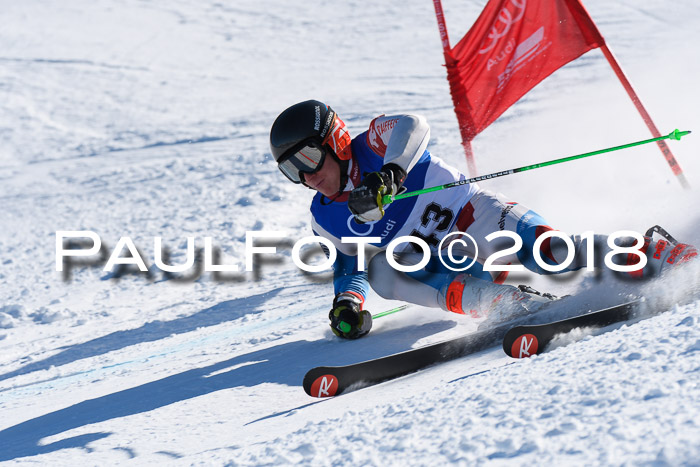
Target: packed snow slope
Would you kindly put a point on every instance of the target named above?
(141, 119)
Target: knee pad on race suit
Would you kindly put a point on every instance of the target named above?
(467, 295)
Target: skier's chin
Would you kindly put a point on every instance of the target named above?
(325, 190)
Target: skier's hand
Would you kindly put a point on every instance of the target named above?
(348, 320)
(365, 201)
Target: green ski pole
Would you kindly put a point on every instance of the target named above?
(675, 134)
(389, 312)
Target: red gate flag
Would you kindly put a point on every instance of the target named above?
(514, 45)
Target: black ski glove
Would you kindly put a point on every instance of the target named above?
(365, 201)
(347, 319)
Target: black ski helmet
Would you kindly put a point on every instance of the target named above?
(306, 121)
(310, 123)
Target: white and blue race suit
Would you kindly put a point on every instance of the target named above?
(402, 140)
(430, 216)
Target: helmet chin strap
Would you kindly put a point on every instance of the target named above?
(344, 176)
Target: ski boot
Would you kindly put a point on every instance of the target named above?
(665, 253)
(522, 301)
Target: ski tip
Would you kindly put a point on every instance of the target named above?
(526, 345)
(517, 344)
(321, 386)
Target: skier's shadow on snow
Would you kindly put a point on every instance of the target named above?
(151, 332)
(282, 364)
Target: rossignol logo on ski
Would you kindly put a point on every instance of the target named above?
(324, 386)
(524, 346)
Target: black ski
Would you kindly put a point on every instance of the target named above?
(326, 381)
(531, 339)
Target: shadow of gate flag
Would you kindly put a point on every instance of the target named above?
(514, 45)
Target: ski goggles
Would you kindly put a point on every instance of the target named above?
(307, 159)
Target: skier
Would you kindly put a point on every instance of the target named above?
(313, 147)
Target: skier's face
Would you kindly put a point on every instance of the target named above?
(327, 179)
